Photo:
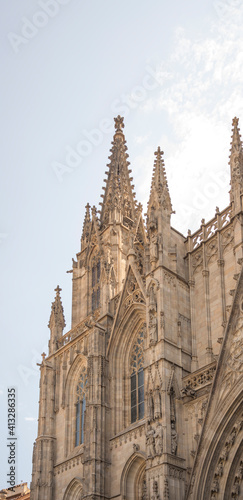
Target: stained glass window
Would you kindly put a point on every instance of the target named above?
(137, 379)
(95, 278)
(80, 407)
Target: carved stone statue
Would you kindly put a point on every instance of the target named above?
(225, 452)
(154, 248)
(150, 405)
(150, 441)
(174, 439)
(152, 219)
(152, 299)
(235, 490)
(215, 486)
(188, 391)
(231, 438)
(127, 208)
(219, 470)
(238, 426)
(157, 403)
(239, 473)
(159, 439)
(152, 327)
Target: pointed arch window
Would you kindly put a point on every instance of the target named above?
(137, 379)
(81, 392)
(95, 280)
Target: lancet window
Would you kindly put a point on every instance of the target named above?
(81, 392)
(137, 379)
(95, 280)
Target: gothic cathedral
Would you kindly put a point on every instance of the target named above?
(143, 398)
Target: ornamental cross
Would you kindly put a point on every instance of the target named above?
(159, 153)
(58, 289)
(235, 122)
(119, 123)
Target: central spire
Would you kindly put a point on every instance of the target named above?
(119, 199)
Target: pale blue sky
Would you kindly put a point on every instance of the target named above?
(179, 65)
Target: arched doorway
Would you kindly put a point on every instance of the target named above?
(74, 490)
(133, 480)
(221, 472)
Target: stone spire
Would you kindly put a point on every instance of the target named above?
(56, 322)
(159, 211)
(86, 227)
(119, 199)
(159, 193)
(236, 166)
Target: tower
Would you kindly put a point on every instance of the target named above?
(125, 403)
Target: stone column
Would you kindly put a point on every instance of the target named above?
(220, 263)
(209, 349)
(191, 283)
(95, 439)
(194, 364)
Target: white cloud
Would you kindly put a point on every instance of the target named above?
(140, 139)
(201, 95)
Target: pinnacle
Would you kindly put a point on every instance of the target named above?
(159, 192)
(86, 225)
(119, 194)
(236, 164)
(236, 143)
(57, 313)
(87, 213)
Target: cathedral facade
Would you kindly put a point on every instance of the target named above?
(143, 398)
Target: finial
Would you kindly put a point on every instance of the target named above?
(94, 210)
(236, 142)
(158, 153)
(58, 290)
(87, 213)
(119, 123)
(43, 356)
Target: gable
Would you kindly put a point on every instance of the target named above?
(132, 296)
